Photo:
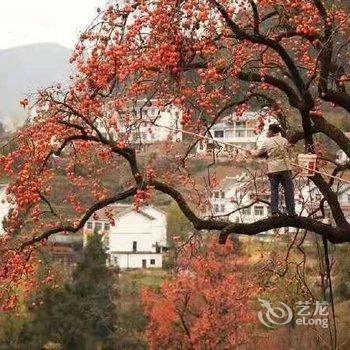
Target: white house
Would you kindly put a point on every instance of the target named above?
(234, 199)
(245, 199)
(232, 130)
(138, 238)
(5, 207)
(143, 122)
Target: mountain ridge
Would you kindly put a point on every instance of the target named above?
(31, 45)
(25, 69)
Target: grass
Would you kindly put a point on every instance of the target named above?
(131, 281)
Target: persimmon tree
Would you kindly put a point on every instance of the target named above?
(205, 57)
(208, 305)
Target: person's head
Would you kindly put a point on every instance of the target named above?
(274, 129)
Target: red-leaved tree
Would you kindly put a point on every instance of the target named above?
(208, 305)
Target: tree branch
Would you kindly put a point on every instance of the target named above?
(70, 228)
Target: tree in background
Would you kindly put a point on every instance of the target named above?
(208, 305)
(342, 273)
(178, 226)
(179, 230)
(82, 314)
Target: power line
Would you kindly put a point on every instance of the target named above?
(241, 149)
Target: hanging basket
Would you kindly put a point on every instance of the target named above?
(307, 163)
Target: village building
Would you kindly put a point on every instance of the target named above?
(231, 130)
(5, 207)
(137, 240)
(244, 199)
(144, 123)
(241, 199)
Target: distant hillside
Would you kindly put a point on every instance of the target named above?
(25, 69)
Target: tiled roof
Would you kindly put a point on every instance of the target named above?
(122, 209)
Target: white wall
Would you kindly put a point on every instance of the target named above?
(135, 226)
(167, 121)
(4, 207)
(159, 225)
(146, 227)
(130, 227)
(134, 261)
(236, 132)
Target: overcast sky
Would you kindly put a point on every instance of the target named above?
(35, 21)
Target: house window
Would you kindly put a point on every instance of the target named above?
(318, 196)
(349, 198)
(259, 211)
(219, 133)
(219, 194)
(240, 133)
(222, 208)
(107, 226)
(98, 226)
(240, 125)
(134, 246)
(152, 261)
(216, 208)
(89, 225)
(246, 211)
